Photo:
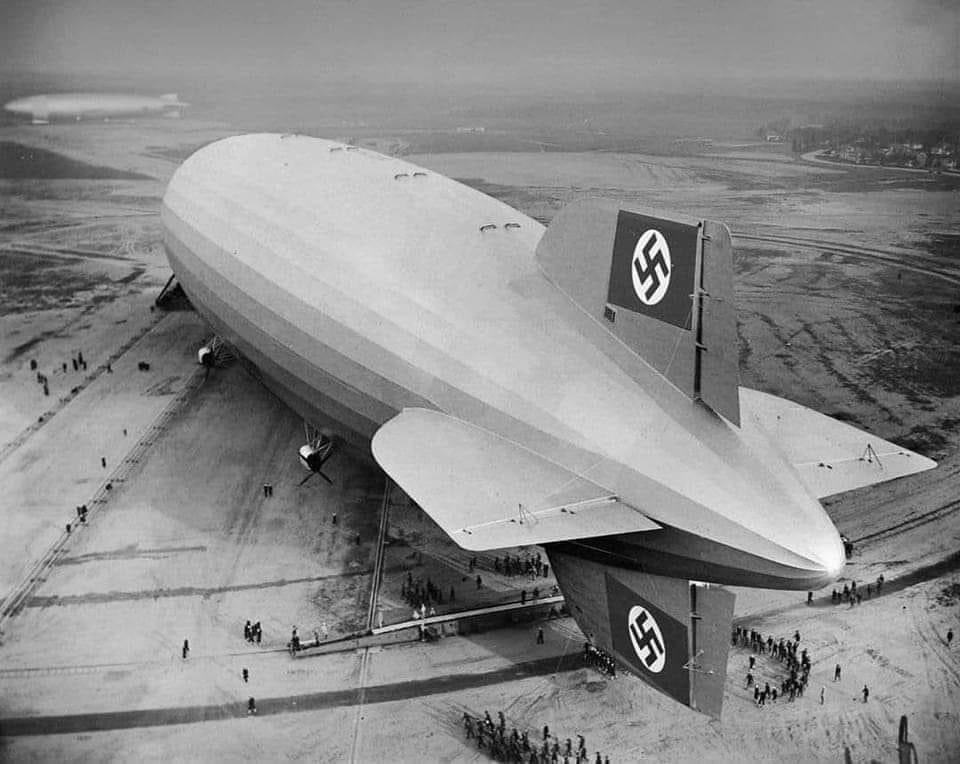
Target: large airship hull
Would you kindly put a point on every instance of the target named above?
(487, 368)
(304, 286)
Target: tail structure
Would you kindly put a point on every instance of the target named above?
(172, 105)
(662, 285)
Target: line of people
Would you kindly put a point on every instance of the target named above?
(854, 596)
(532, 567)
(517, 747)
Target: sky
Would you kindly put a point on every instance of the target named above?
(544, 44)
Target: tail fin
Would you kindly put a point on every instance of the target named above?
(662, 285)
(671, 633)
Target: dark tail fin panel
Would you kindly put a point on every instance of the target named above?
(672, 634)
(662, 285)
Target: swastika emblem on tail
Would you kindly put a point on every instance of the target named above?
(651, 267)
(646, 638)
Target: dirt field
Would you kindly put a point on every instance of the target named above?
(848, 290)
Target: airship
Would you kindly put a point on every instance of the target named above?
(42, 109)
(574, 387)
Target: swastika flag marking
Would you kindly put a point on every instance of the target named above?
(653, 267)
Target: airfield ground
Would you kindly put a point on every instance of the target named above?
(848, 286)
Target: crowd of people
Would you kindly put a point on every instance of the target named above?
(79, 364)
(788, 652)
(423, 596)
(599, 660)
(517, 746)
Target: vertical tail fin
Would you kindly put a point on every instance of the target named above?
(671, 633)
(662, 285)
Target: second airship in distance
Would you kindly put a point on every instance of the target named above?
(41, 109)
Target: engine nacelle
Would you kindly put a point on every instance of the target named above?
(311, 458)
(206, 356)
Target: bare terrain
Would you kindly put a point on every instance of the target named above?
(849, 297)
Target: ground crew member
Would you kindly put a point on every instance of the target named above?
(949, 637)
(186, 649)
(251, 706)
(836, 673)
(246, 676)
(866, 693)
(540, 635)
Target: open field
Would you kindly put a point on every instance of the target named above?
(848, 290)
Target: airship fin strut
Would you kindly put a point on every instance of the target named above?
(662, 285)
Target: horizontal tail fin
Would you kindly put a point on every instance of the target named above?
(830, 456)
(662, 285)
(487, 492)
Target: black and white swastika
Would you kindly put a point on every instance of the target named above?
(652, 267)
(651, 642)
(648, 644)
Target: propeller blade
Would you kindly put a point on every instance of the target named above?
(310, 475)
(318, 472)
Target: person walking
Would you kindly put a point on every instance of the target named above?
(186, 649)
(251, 706)
(246, 676)
(822, 689)
(836, 673)
(540, 635)
(866, 693)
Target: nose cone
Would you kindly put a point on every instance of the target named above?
(17, 106)
(828, 556)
